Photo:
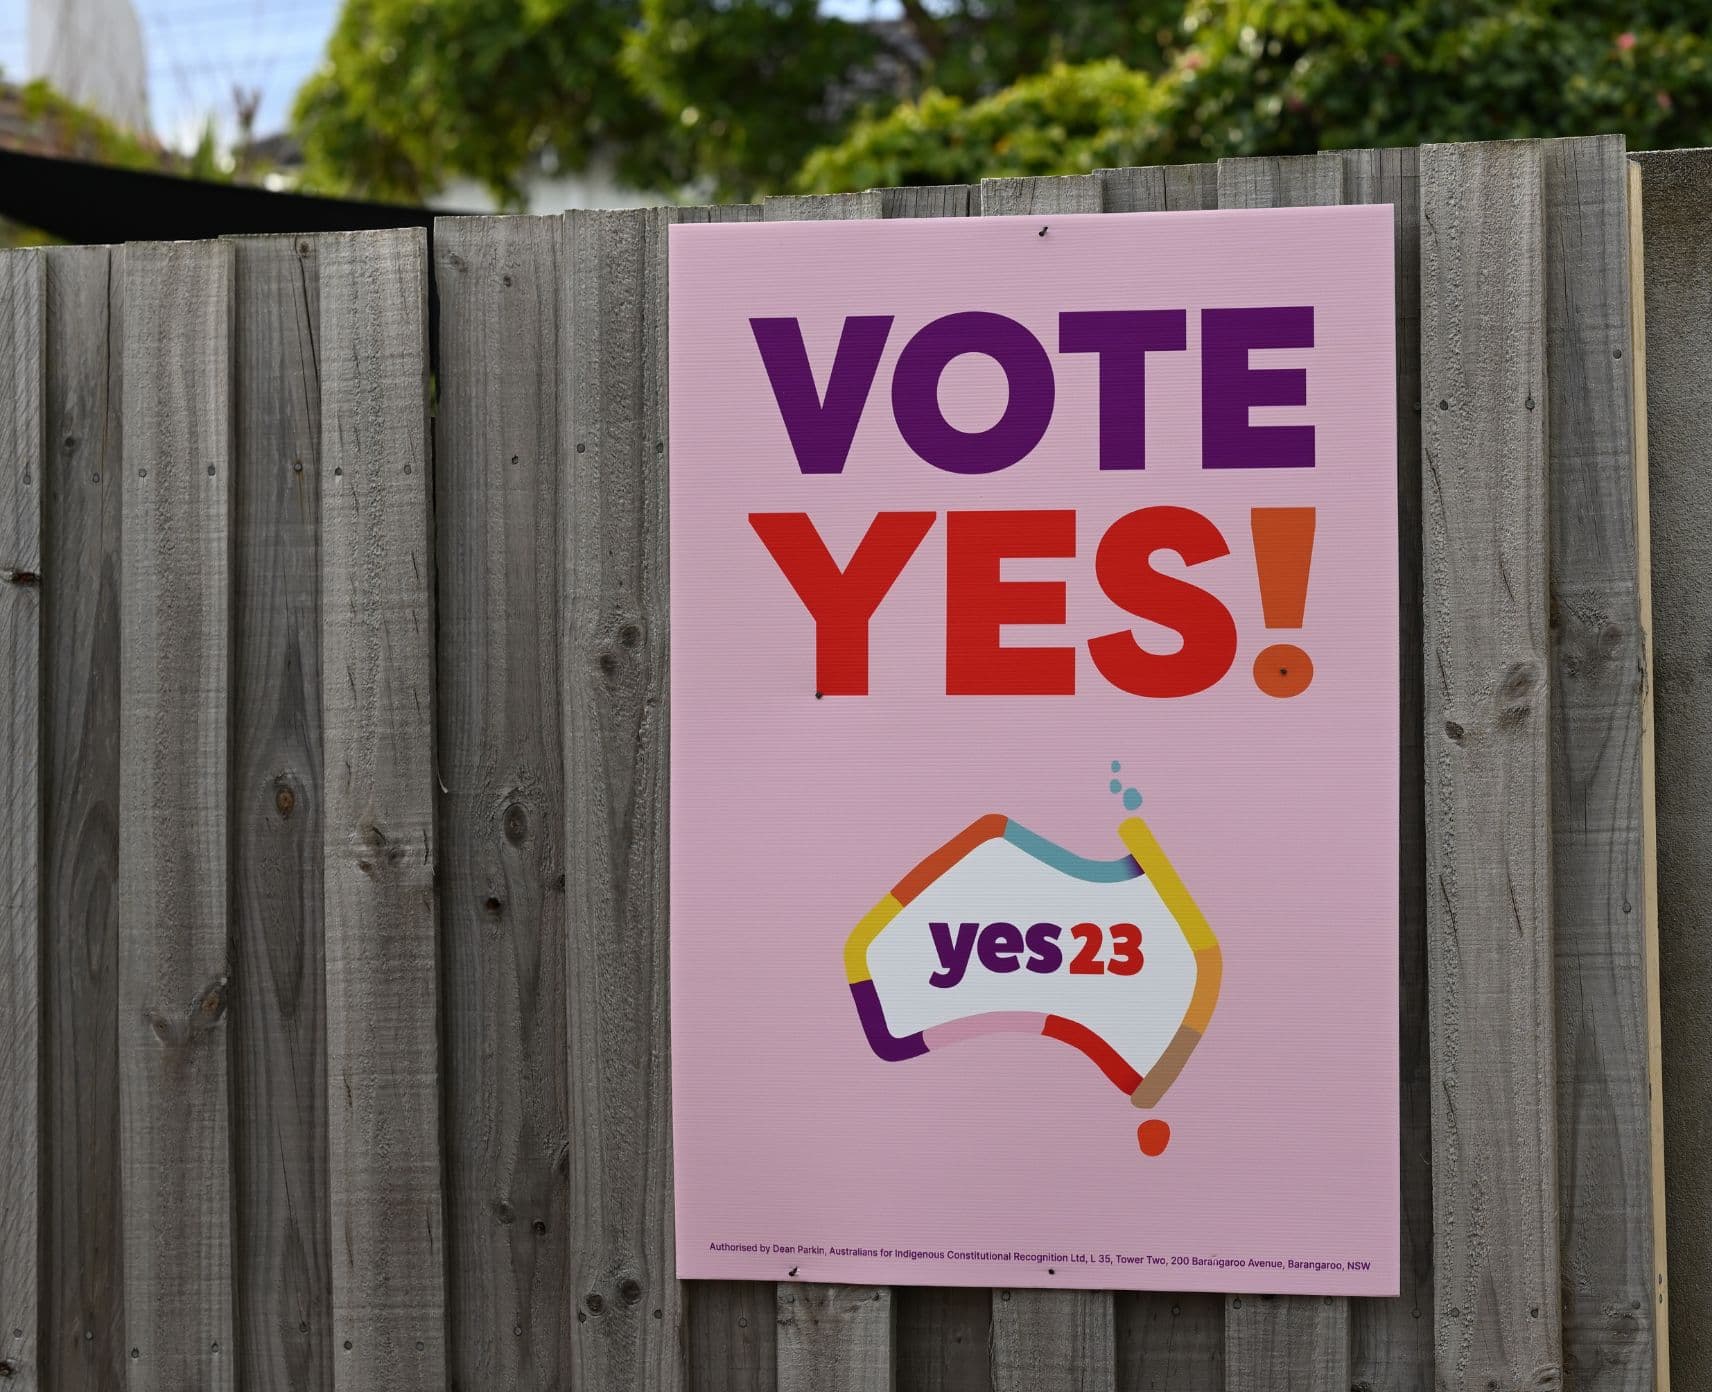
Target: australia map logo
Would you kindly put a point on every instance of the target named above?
(1002, 930)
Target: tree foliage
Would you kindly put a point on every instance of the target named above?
(729, 98)
(1252, 77)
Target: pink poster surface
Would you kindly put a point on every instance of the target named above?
(1034, 726)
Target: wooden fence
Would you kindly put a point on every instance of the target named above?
(333, 1041)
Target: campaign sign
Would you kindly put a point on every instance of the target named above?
(1034, 717)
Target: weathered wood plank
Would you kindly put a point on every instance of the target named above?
(836, 1339)
(929, 200)
(1598, 856)
(1649, 778)
(1488, 747)
(83, 1316)
(732, 1340)
(174, 776)
(1049, 1338)
(1065, 193)
(823, 207)
(853, 1327)
(1285, 1341)
(1301, 1347)
(1159, 188)
(502, 900)
(1170, 1342)
(377, 666)
(1069, 1335)
(942, 1336)
(1391, 1341)
(614, 607)
(1271, 181)
(1676, 188)
(23, 331)
(1166, 1340)
(279, 1151)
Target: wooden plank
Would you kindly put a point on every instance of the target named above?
(377, 667)
(852, 1328)
(1598, 856)
(1649, 775)
(614, 609)
(1677, 195)
(23, 331)
(1066, 193)
(283, 1288)
(929, 200)
(1069, 1336)
(823, 207)
(1270, 181)
(1170, 1342)
(942, 1337)
(1488, 758)
(826, 1344)
(1391, 1341)
(1159, 188)
(83, 1317)
(1297, 1341)
(503, 806)
(1166, 1340)
(1286, 1343)
(174, 776)
(732, 1342)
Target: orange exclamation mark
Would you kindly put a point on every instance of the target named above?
(1283, 556)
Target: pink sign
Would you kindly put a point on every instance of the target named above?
(1034, 751)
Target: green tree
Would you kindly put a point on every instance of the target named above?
(727, 96)
(1294, 76)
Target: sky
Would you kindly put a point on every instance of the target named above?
(200, 50)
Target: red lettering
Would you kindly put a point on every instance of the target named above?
(1123, 565)
(978, 603)
(841, 601)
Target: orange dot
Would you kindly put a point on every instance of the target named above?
(1283, 670)
(1153, 1136)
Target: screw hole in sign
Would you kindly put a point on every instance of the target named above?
(1283, 557)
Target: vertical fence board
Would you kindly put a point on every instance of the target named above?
(1598, 858)
(279, 1020)
(1170, 1342)
(1677, 197)
(23, 327)
(1286, 1343)
(1159, 188)
(613, 507)
(1391, 1341)
(835, 1339)
(847, 1332)
(1295, 1341)
(928, 200)
(83, 1317)
(1067, 193)
(1066, 1336)
(1488, 738)
(1660, 1291)
(502, 809)
(174, 775)
(1166, 1340)
(377, 702)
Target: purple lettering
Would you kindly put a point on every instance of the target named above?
(1028, 405)
(822, 430)
(1123, 338)
(1229, 387)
